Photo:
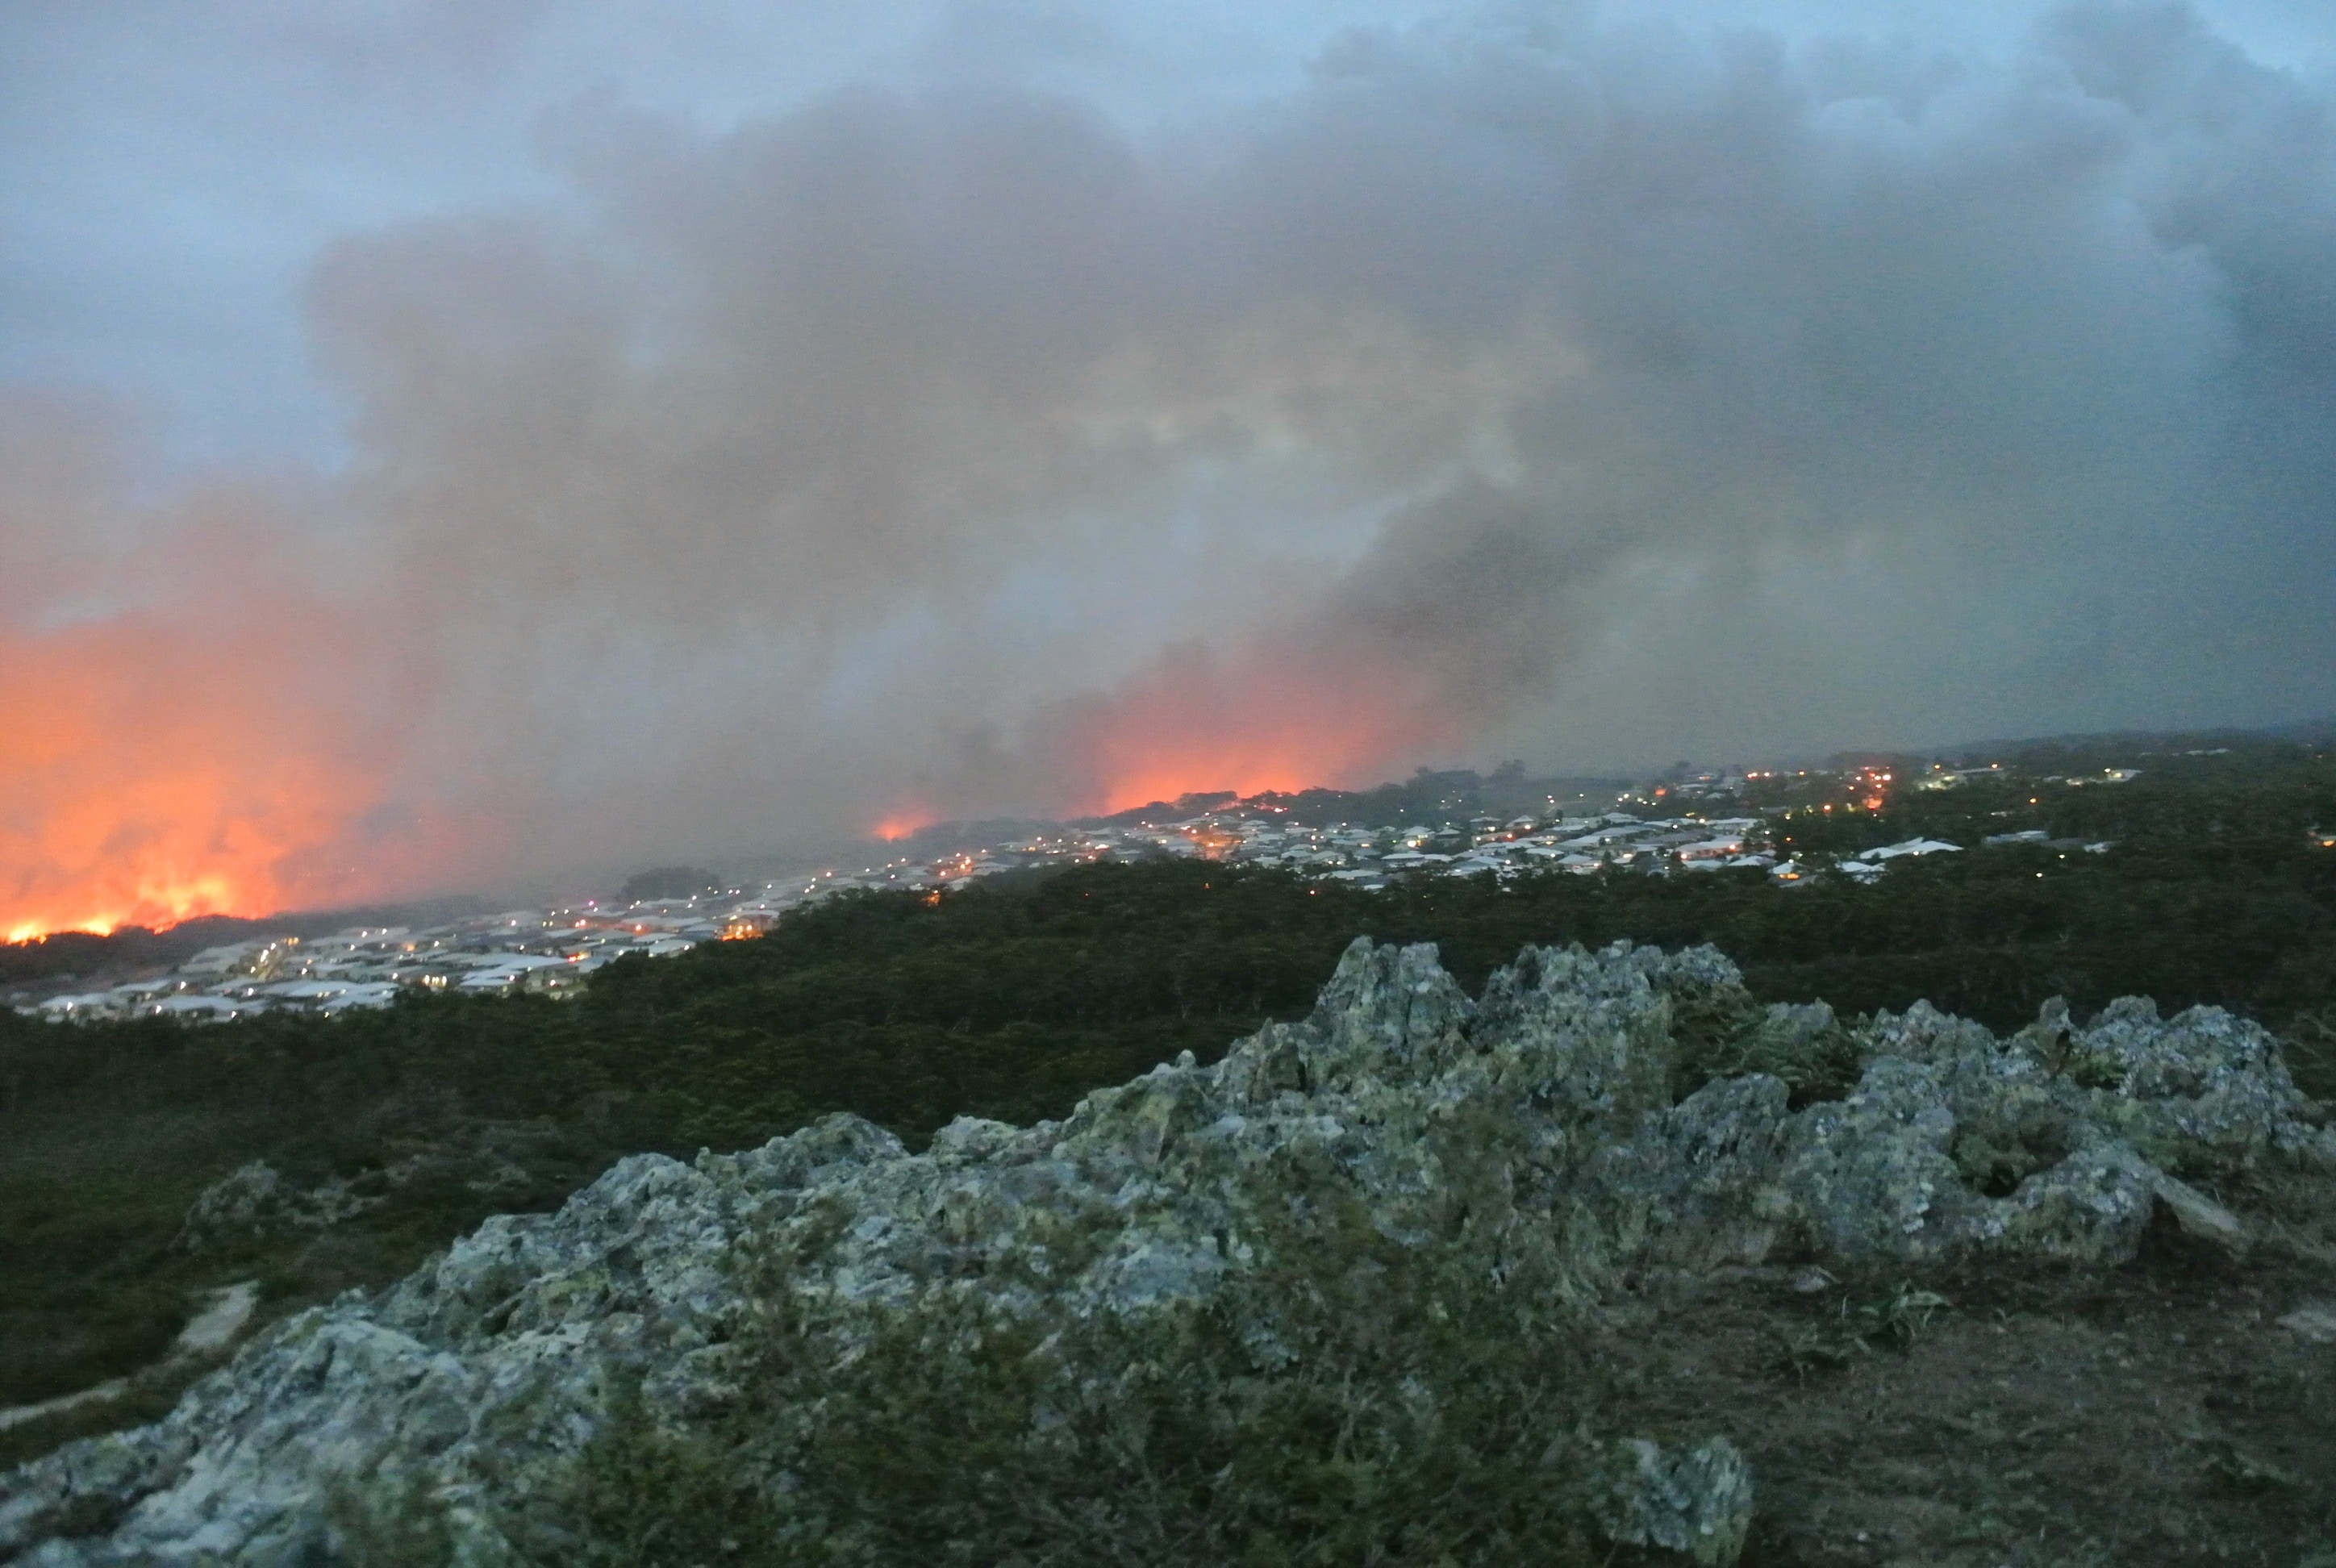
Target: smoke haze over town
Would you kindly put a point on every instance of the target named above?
(442, 445)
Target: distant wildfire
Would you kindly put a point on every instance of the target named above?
(1285, 716)
(161, 771)
(1285, 713)
(158, 771)
(900, 823)
(905, 452)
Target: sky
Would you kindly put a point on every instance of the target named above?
(453, 443)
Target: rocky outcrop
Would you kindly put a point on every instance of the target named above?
(256, 1202)
(1696, 1504)
(476, 1381)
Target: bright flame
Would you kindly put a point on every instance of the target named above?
(151, 774)
(1274, 721)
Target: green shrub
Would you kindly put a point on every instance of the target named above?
(2310, 1046)
(1725, 1033)
(1353, 1399)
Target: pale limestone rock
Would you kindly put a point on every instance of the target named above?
(1696, 1502)
(477, 1380)
(2316, 1322)
(255, 1200)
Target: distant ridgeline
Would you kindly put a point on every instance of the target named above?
(1448, 796)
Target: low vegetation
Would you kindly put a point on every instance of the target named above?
(1012, 999)
(1355, 1401)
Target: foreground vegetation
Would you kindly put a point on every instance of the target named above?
(1012, 999)
(1442, 1403)
(1352, 1400)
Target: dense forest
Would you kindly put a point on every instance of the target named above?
(1012, 998)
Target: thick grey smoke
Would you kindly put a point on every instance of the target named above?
(1535, 387)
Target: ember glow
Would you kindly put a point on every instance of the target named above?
(1281, 719)
(896, 825)
(154, 774)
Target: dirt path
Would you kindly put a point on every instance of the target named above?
(212, 1329)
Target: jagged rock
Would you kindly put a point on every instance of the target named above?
(1697, 1504)
(255, 1199)
(2204, 1091)
(2316, 1323)
(1700, 1185)
(476, 1381)
(2199, 1215)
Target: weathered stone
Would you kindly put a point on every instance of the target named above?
(255, 1200)
(2204, 1091)
(1699, 1185)
(1696, 1503)
(2201, 1216)
(2316, 1323)
(475, 1381)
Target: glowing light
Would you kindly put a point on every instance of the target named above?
(156, 770)
(1276, 720)
(902, 823)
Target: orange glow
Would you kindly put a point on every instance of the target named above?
(1214, 844)
(1275, 721)
(152, 773)
(897, 825)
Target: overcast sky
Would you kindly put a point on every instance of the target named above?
(466, 438)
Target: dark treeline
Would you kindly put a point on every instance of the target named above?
(1430, 796)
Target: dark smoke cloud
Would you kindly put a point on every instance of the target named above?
(1585, 393)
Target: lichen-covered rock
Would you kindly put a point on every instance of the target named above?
(2203, 1091)
(1696, 1502)
(255, 1200)
(1699, 1185)
(477, 1380)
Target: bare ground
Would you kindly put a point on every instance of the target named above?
(2157, 1413)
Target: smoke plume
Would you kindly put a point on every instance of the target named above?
(1570, 390)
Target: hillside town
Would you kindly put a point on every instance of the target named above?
(1674, 828)
(368, 965)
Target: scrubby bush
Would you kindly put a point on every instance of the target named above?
(1351, 1399)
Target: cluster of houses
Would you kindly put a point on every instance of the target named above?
(1372, 857)
(1486, 847)
(552, 951)
(367, 967)
(1367, 857)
